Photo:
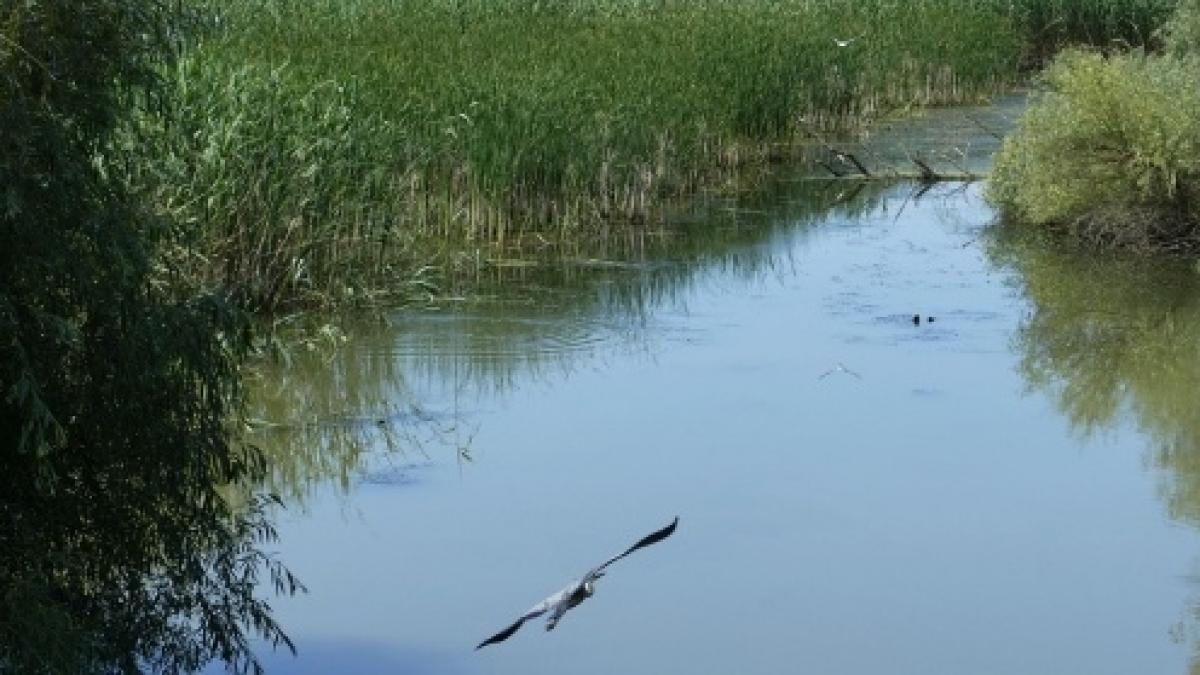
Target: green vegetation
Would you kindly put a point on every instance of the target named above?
(1183, 29)
(1048, 26)
(325, 149)
(119, 382)
(1110, 153)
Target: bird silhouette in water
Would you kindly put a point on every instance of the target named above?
(577, 591)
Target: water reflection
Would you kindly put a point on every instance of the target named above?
(547, 319)
(356, 657)
(902, 491)
(408, 382)
(338, 414)
(407, 386)
(1111, 337)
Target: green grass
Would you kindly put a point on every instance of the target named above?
(322, 150)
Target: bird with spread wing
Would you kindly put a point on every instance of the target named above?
(577, 591)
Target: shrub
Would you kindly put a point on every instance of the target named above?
(1108, 152)
(119, 383)
(1183, 30)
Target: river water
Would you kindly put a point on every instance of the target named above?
(1009, 485)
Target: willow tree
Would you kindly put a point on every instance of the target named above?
(118, 379)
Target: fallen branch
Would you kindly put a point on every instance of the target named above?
(834, 172)
(928, 175)
(898, 175)
(847, 157)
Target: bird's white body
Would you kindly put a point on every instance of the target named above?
(558, 604)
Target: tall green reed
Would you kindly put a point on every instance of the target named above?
(1050, 25)
(326, 148)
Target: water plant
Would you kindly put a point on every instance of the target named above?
(323, 151)
(1048, 26)
(312, 138)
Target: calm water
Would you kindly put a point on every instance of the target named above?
(1012, 488)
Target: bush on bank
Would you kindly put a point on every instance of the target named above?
(1182, 31)
(1109, 153)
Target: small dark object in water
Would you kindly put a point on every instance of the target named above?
(916, 319)
(930, 319)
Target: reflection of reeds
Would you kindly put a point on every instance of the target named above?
(311, 138)
(542, 319)
(316, 408)
(321, 412)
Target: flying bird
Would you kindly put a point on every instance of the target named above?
(577, 591)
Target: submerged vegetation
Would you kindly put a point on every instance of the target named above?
(1110, 152)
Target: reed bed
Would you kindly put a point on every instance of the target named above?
(325, 149)
(1048, 26)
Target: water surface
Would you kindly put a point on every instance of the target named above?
(1011, 487)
